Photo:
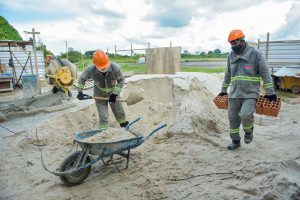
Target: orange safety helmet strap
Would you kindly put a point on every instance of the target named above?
(235, 34)
(100, 59)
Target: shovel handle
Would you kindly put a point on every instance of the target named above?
(106, 98)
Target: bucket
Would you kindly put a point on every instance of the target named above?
(29, 84)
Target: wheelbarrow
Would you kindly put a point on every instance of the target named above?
(77, 166)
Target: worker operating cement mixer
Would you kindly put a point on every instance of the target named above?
(61, 73)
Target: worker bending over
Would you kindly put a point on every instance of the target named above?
(108, 82)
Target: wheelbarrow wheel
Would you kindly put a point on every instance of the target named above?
(74, 178)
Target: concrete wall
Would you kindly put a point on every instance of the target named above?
(164, 60)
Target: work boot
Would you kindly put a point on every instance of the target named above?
(234, 145)
(248, 138)
(124, 124)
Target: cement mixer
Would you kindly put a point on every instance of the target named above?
(61, 73)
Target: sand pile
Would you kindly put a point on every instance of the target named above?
(109, 135)
(183, 102)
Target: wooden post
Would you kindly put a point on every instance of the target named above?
(35, 59)
(131, 51)
(267, 47)
(67, 49)
(30, 60)
(12, 63)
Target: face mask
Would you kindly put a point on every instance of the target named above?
(103, 70)
(237, 48)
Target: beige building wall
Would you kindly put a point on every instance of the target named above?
(164, 60)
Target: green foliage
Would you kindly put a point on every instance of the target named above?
(83, 64)
(217, 51)
(134, 68)
(88, 54)
(8, 32)
(73, 55)
(186, 56)
(42, 47)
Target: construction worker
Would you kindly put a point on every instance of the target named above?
(108, 82)
(245, 66)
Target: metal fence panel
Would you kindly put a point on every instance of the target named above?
(20, 56)
(281, 53)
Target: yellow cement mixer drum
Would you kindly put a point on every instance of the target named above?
(65, 77)
(61, 73)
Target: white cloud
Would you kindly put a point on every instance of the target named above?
(204, 26)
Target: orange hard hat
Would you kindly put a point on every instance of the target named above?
(235, 34)
(100, 59)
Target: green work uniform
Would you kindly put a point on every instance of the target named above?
(104, 85)
(242, 76)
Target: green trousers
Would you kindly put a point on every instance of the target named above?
(240, 111)
(117, 109)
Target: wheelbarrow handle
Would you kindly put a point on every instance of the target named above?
(155, 130)
(132, 122)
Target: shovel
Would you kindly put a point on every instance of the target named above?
(132, 99)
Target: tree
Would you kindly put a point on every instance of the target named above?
(89, 54)
(74, 56)
(210, 52)
(217, 51)
(42, 47)
(202, 53)
(186, 52)
(8, 32)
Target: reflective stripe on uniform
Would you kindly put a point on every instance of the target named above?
(117, 90)
(122, 121)
(245, 78)
(225, 85)
(248, 127)
(268, 85)
(106, 90)
(80, 86)
(103, 126)
(234, 130)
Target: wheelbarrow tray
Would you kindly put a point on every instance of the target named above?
(75, 174)
(106, 148)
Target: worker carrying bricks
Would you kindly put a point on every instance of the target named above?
(108, 82)
(245, 67)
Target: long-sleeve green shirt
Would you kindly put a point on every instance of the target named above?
(243, 74)
(112, 82)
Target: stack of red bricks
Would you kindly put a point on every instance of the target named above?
(221, 102)
(263, 105)
(266, 107)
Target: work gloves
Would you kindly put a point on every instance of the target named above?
(223, 93)
(81, 96)
(124, 124)
(272, 97)
(112, 98)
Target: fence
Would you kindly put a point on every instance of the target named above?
(281, 53)
(19, 60)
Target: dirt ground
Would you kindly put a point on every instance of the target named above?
(186, 160)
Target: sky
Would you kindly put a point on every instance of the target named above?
(194, 25)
